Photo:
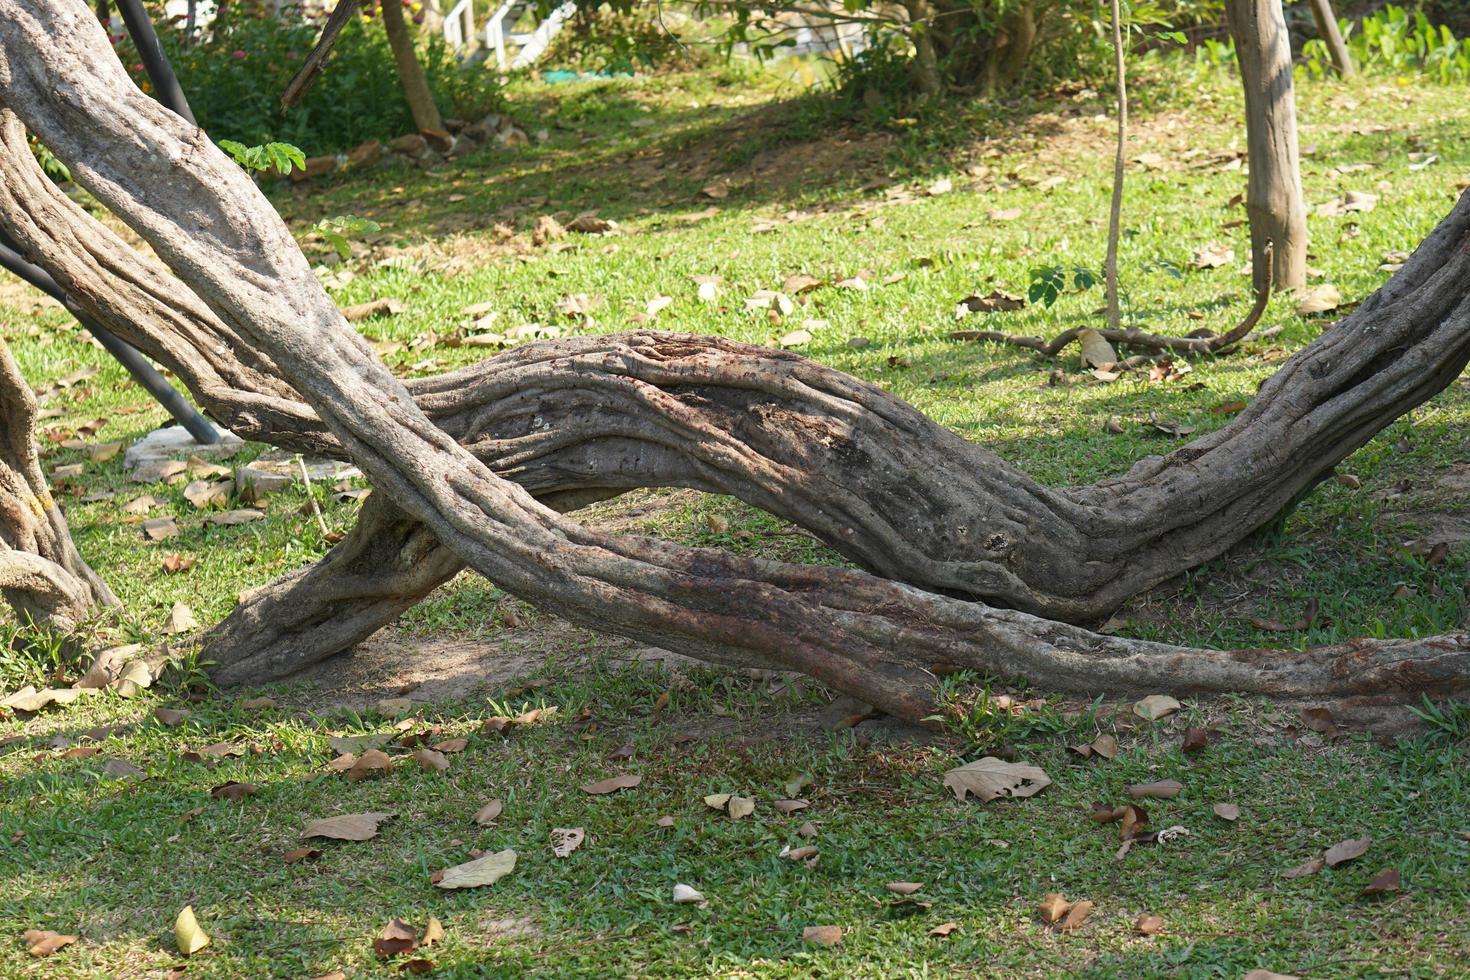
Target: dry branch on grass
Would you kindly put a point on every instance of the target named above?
(474, 467)
(1158, 344)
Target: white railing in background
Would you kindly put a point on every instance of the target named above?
(459, 24)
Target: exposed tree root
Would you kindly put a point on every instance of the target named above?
(595, 415)
(41, 575)
(1160, 345)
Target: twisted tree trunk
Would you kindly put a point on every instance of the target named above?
(590, 416)
(41, 575)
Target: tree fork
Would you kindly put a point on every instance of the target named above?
(880, 640)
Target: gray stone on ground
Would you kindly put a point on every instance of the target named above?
(277, 469)
(174, 442)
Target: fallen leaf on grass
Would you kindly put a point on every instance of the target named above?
(44, 942)
(903, 887)
(172, 717)
(397, 937)
(1308, 867)
(450, 746)
(684, 895)
(1318, 299)
(1348, 850)
(1053, 907)
(180, 619)
(1076, 916)
(431, 760)
(1148, 925)
(352, 826)
(1155, 707)
(991, 778)
(822, 935)
(1213, 256)
(807, 853)
(996, 301)
(1268, 975)
(944, 929)
(1226, 811)
(1163, 789)
(230, 518)
(187, 934)
(488, 813)
(1195, 740)
(234, 791)
(119, 768)
(175, 563)
(1388, 880)
(800, 283)
(565, 840)
(160, 529)
(612, 784)
(301, 854)
(372, 763)
(790, 806)
(1105, 745)
(1005, 214)
(1096, 351)
(416, 967)
(481, 871)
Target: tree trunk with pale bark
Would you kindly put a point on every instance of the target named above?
(1327, 30)
(964, 563)
(1273, 199)
(410, 72)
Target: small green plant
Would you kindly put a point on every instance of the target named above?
(340, 230)
(50, 165)
(1447, 720)
(32, 654)
(280, 157)
(1393, 41)
(987, 721)
(1048, 283)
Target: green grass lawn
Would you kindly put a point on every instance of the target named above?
(114, 859)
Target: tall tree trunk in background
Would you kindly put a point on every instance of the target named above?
(1273, 198)
(926, 60)
(410, 72)
(1115, 213)
(1332, 37)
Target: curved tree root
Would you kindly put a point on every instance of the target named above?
(41, 574)
(1161, 345)
(873, 637)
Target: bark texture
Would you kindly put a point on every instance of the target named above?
(41, 575)
(474, 466)
(410, 72)
(1273, 198)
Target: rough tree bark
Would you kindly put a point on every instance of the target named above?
(410, 72)
(594, 415)
(1327, 30)
(1273, 199)
(41, 575)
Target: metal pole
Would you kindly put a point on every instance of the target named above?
(135, 363)
(165, 83)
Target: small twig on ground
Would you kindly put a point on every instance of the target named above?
(321, 521)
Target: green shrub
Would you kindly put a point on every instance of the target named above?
(235, 70)
(1393, 41)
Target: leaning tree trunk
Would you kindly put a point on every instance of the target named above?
(1273, 199)
(255, 335)
(410, 72)
(41, 575)
(1327, 30)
